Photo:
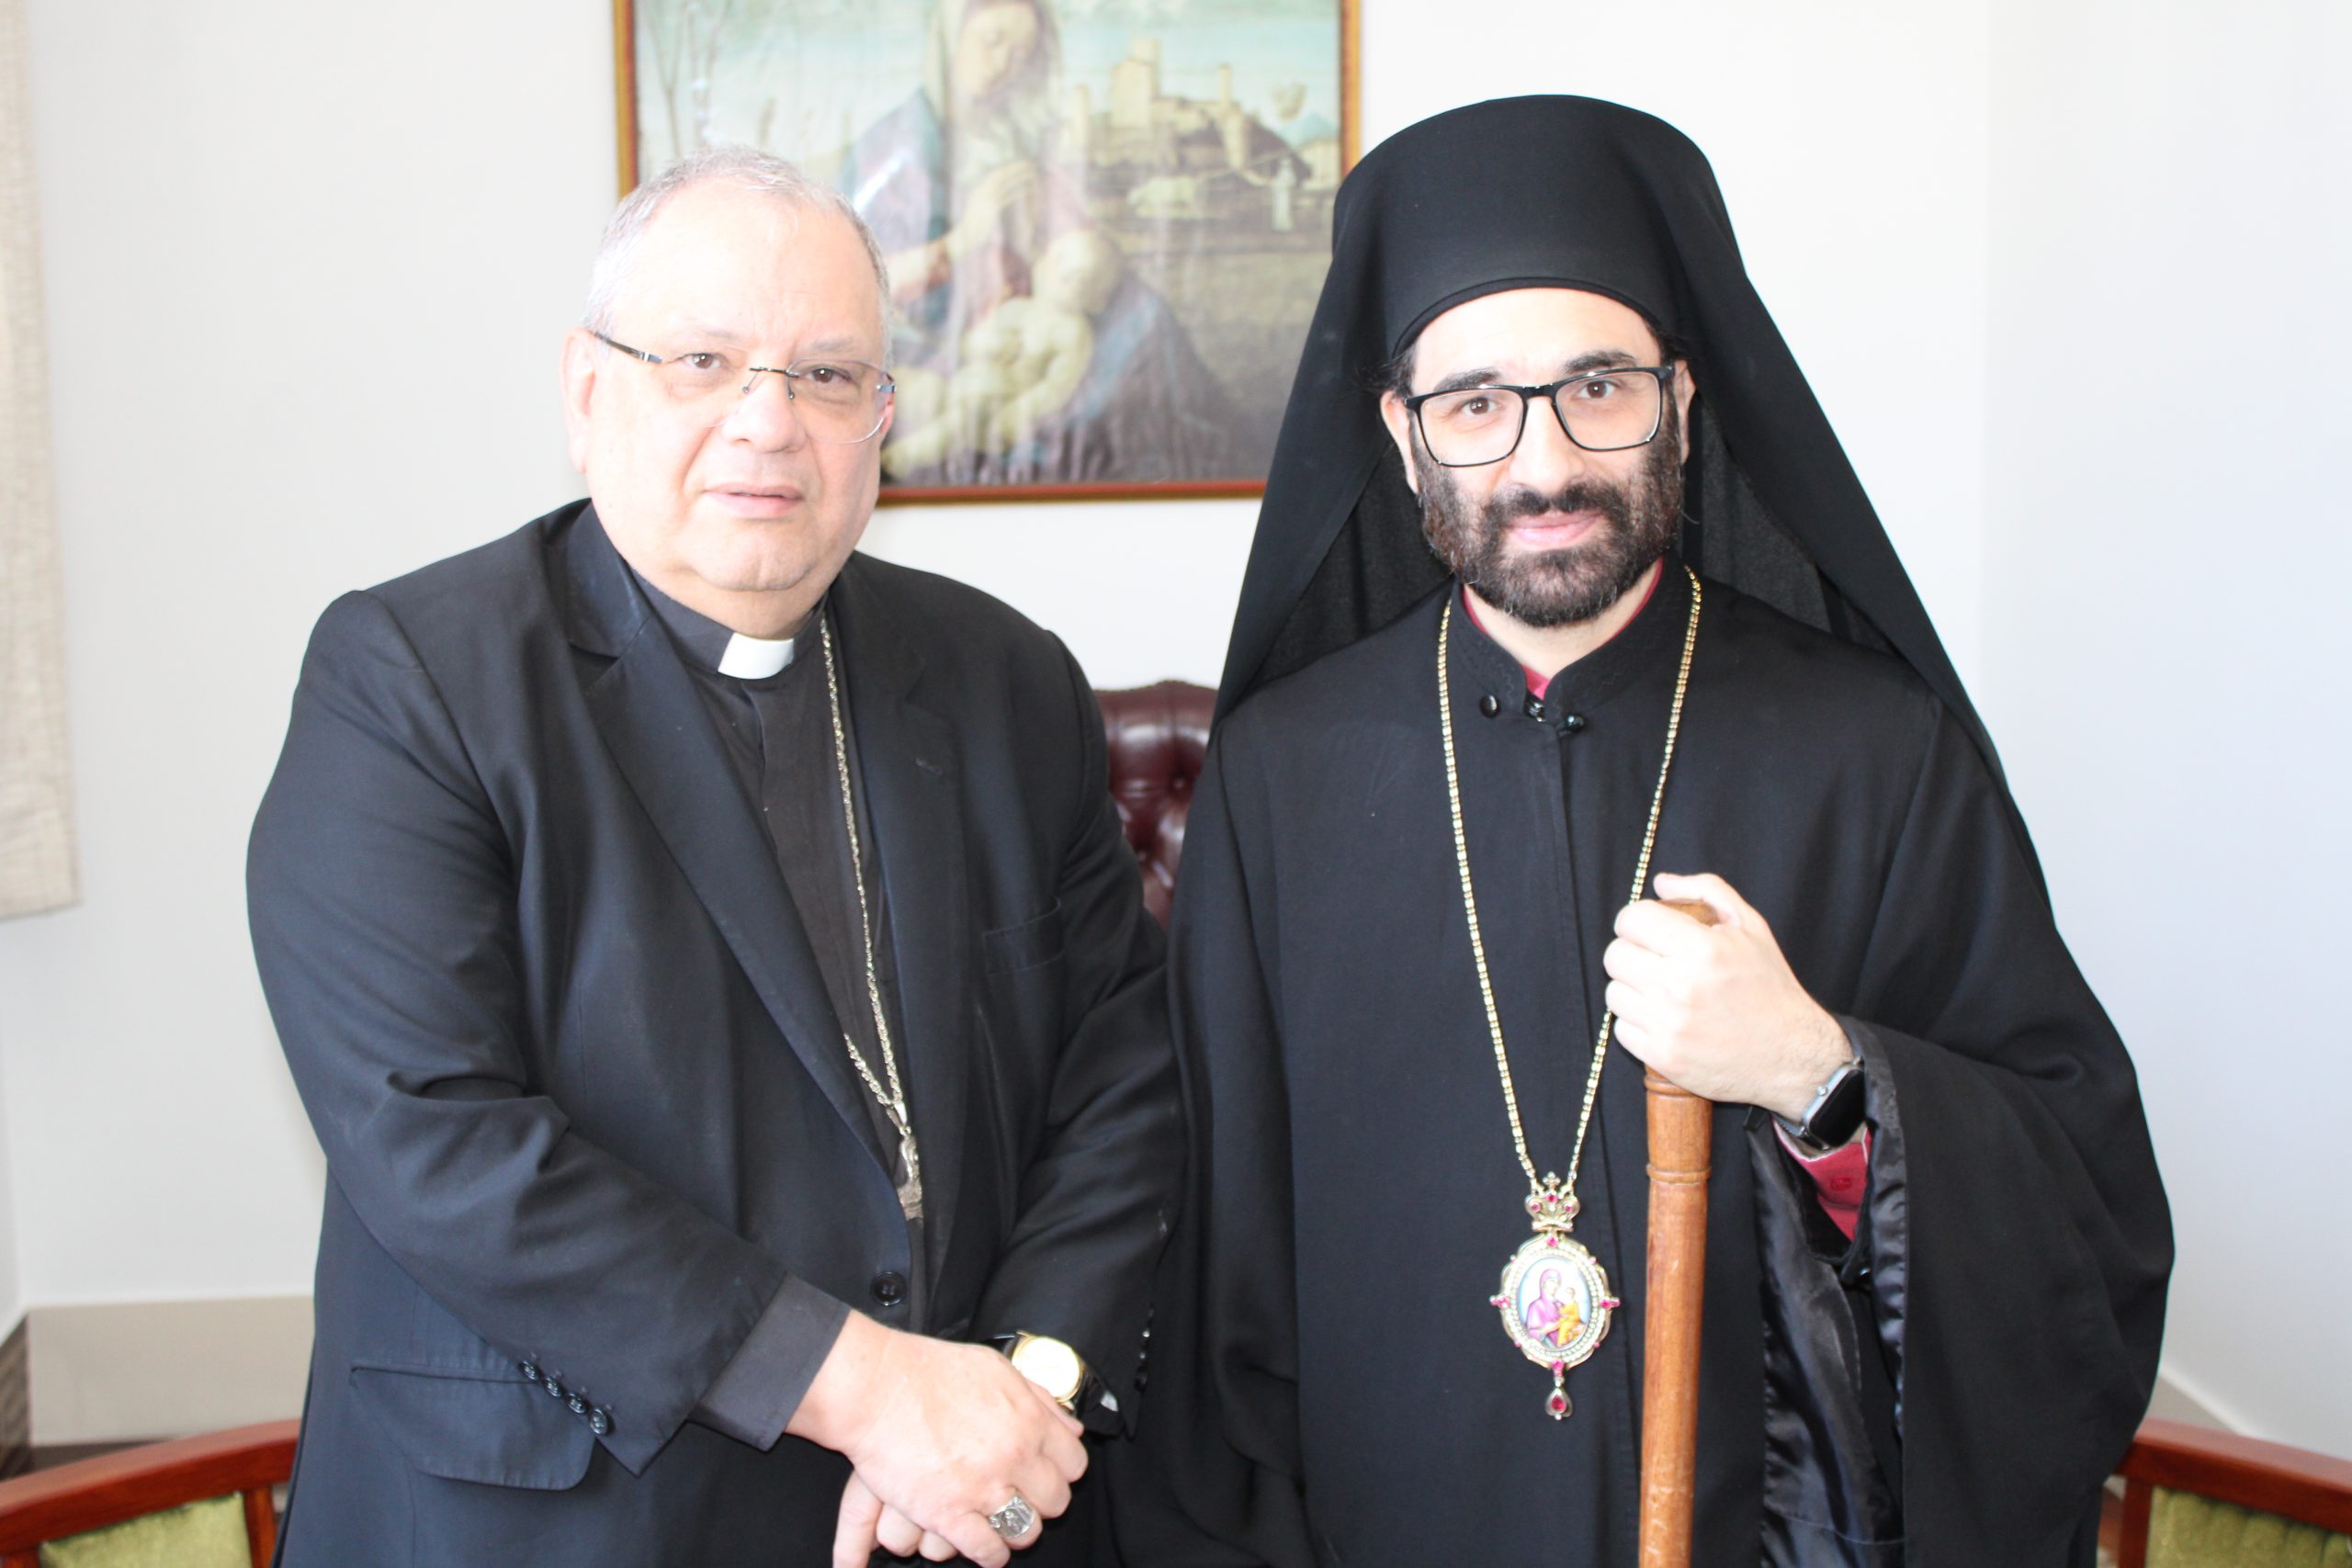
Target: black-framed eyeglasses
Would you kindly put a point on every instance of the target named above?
(1600, 410)
(839, 400)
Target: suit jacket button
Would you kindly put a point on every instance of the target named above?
(579, 1405)
(555, 1390)
(889, 1287)
(600, 1420)
(530, 1370)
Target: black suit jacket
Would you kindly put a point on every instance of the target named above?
(585, 1104)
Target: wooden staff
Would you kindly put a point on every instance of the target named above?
(1681, 1128)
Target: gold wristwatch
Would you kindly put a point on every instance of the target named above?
(1050, 1364)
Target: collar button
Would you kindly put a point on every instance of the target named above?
(1572, 722)
(1489, 704)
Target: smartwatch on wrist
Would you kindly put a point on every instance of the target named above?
(1834, 1113)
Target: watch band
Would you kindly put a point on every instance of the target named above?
(1835, 1111)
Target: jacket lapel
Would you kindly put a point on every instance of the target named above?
(653, 724)
(907, 759)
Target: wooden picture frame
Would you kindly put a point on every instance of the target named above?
(1107, 221)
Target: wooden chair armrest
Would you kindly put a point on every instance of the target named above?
(2272, 1478)
(50, 1504)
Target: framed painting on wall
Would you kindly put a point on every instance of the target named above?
(1106, 220)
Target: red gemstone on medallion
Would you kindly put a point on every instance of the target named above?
(1557, 1404)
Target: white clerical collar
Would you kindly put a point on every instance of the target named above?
(706, 643)
(753, 657)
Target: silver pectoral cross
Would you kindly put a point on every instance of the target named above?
(910, 1189)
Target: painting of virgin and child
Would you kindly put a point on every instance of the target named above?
(1106, 220)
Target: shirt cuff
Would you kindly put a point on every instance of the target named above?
(755, 1394)
(1840, 1176)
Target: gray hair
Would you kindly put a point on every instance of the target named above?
(746, 168)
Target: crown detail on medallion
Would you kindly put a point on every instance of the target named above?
(1551, 1206)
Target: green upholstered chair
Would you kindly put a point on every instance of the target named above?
(2194, 1497)
(192, 1503)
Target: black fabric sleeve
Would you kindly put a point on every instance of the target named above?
(1214, 1479)
(764, 1383)
(1832, 1464)
(381, 895)
(2016, 1234)
(1099, 1193)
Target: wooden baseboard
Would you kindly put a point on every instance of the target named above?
(16, 1405)
(56, 1454)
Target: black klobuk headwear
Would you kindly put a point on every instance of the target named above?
(1575, 193)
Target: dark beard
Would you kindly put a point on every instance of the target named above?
(1563, 587)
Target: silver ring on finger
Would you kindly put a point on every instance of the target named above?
(1016, 1519)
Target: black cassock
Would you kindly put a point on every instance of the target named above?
(1330, 1381)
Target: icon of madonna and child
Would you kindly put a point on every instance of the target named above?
(1553, 1320)
(1555, 1302)
(1106, 220)
(1029, 346)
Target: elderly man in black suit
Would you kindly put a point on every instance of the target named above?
(711, 962)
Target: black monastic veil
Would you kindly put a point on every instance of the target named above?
(1579, 194)
(2000, 1315)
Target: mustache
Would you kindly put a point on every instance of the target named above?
(1581, 495)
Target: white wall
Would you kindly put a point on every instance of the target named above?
(2165, 546)
(306, 268)
(307, 264)
(1083, 567)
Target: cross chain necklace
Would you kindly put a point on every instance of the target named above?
(1554, 1299)
(893, 1101)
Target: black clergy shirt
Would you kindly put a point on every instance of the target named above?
(770, 704)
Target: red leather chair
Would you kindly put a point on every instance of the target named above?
(1159, 736)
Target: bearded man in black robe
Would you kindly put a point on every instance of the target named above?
(1647, 638)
